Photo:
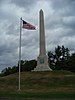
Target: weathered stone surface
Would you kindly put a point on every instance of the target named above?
(42, 60)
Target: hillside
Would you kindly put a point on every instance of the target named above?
(39, 82)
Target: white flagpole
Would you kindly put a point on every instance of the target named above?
(20, 53)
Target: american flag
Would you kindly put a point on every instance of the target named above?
(27, 25)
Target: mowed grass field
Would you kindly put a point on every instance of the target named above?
(50, 84)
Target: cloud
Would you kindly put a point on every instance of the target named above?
(59, 19)
(24, 3)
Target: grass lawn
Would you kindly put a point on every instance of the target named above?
(55, 84)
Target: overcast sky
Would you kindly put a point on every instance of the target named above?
(59, 18)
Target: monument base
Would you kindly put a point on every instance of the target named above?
(42, 64)
(42, 68)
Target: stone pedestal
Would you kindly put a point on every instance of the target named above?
(42, 64)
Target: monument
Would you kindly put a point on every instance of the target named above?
(42, 60)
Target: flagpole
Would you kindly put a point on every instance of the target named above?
(20, 55)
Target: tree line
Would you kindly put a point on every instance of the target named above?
(25, 66)
(60, 59)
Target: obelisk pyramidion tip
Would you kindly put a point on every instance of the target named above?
(41, 10)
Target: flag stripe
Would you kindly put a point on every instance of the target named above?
(27, 25)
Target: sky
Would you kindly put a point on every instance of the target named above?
(59, 20)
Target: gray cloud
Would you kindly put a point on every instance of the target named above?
(26, 4)
(23, 3)
(59, 27)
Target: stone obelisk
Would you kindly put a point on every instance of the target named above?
(42, 60)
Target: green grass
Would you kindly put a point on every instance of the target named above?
(55, 84)
(37, 95)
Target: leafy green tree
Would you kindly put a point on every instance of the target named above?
(6, 71)
(56, 60)
(25, 66)
(14, 69)
(58, 52)
(63, 51)
(67, 53)
(70, 63)
(29, 65)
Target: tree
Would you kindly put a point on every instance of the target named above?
(27, 65)
(70, 63)
(51, 60)
(58, 52)
(56, 60)
(63, 51)
(67, 53)
(6, 71)
(14, 69)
